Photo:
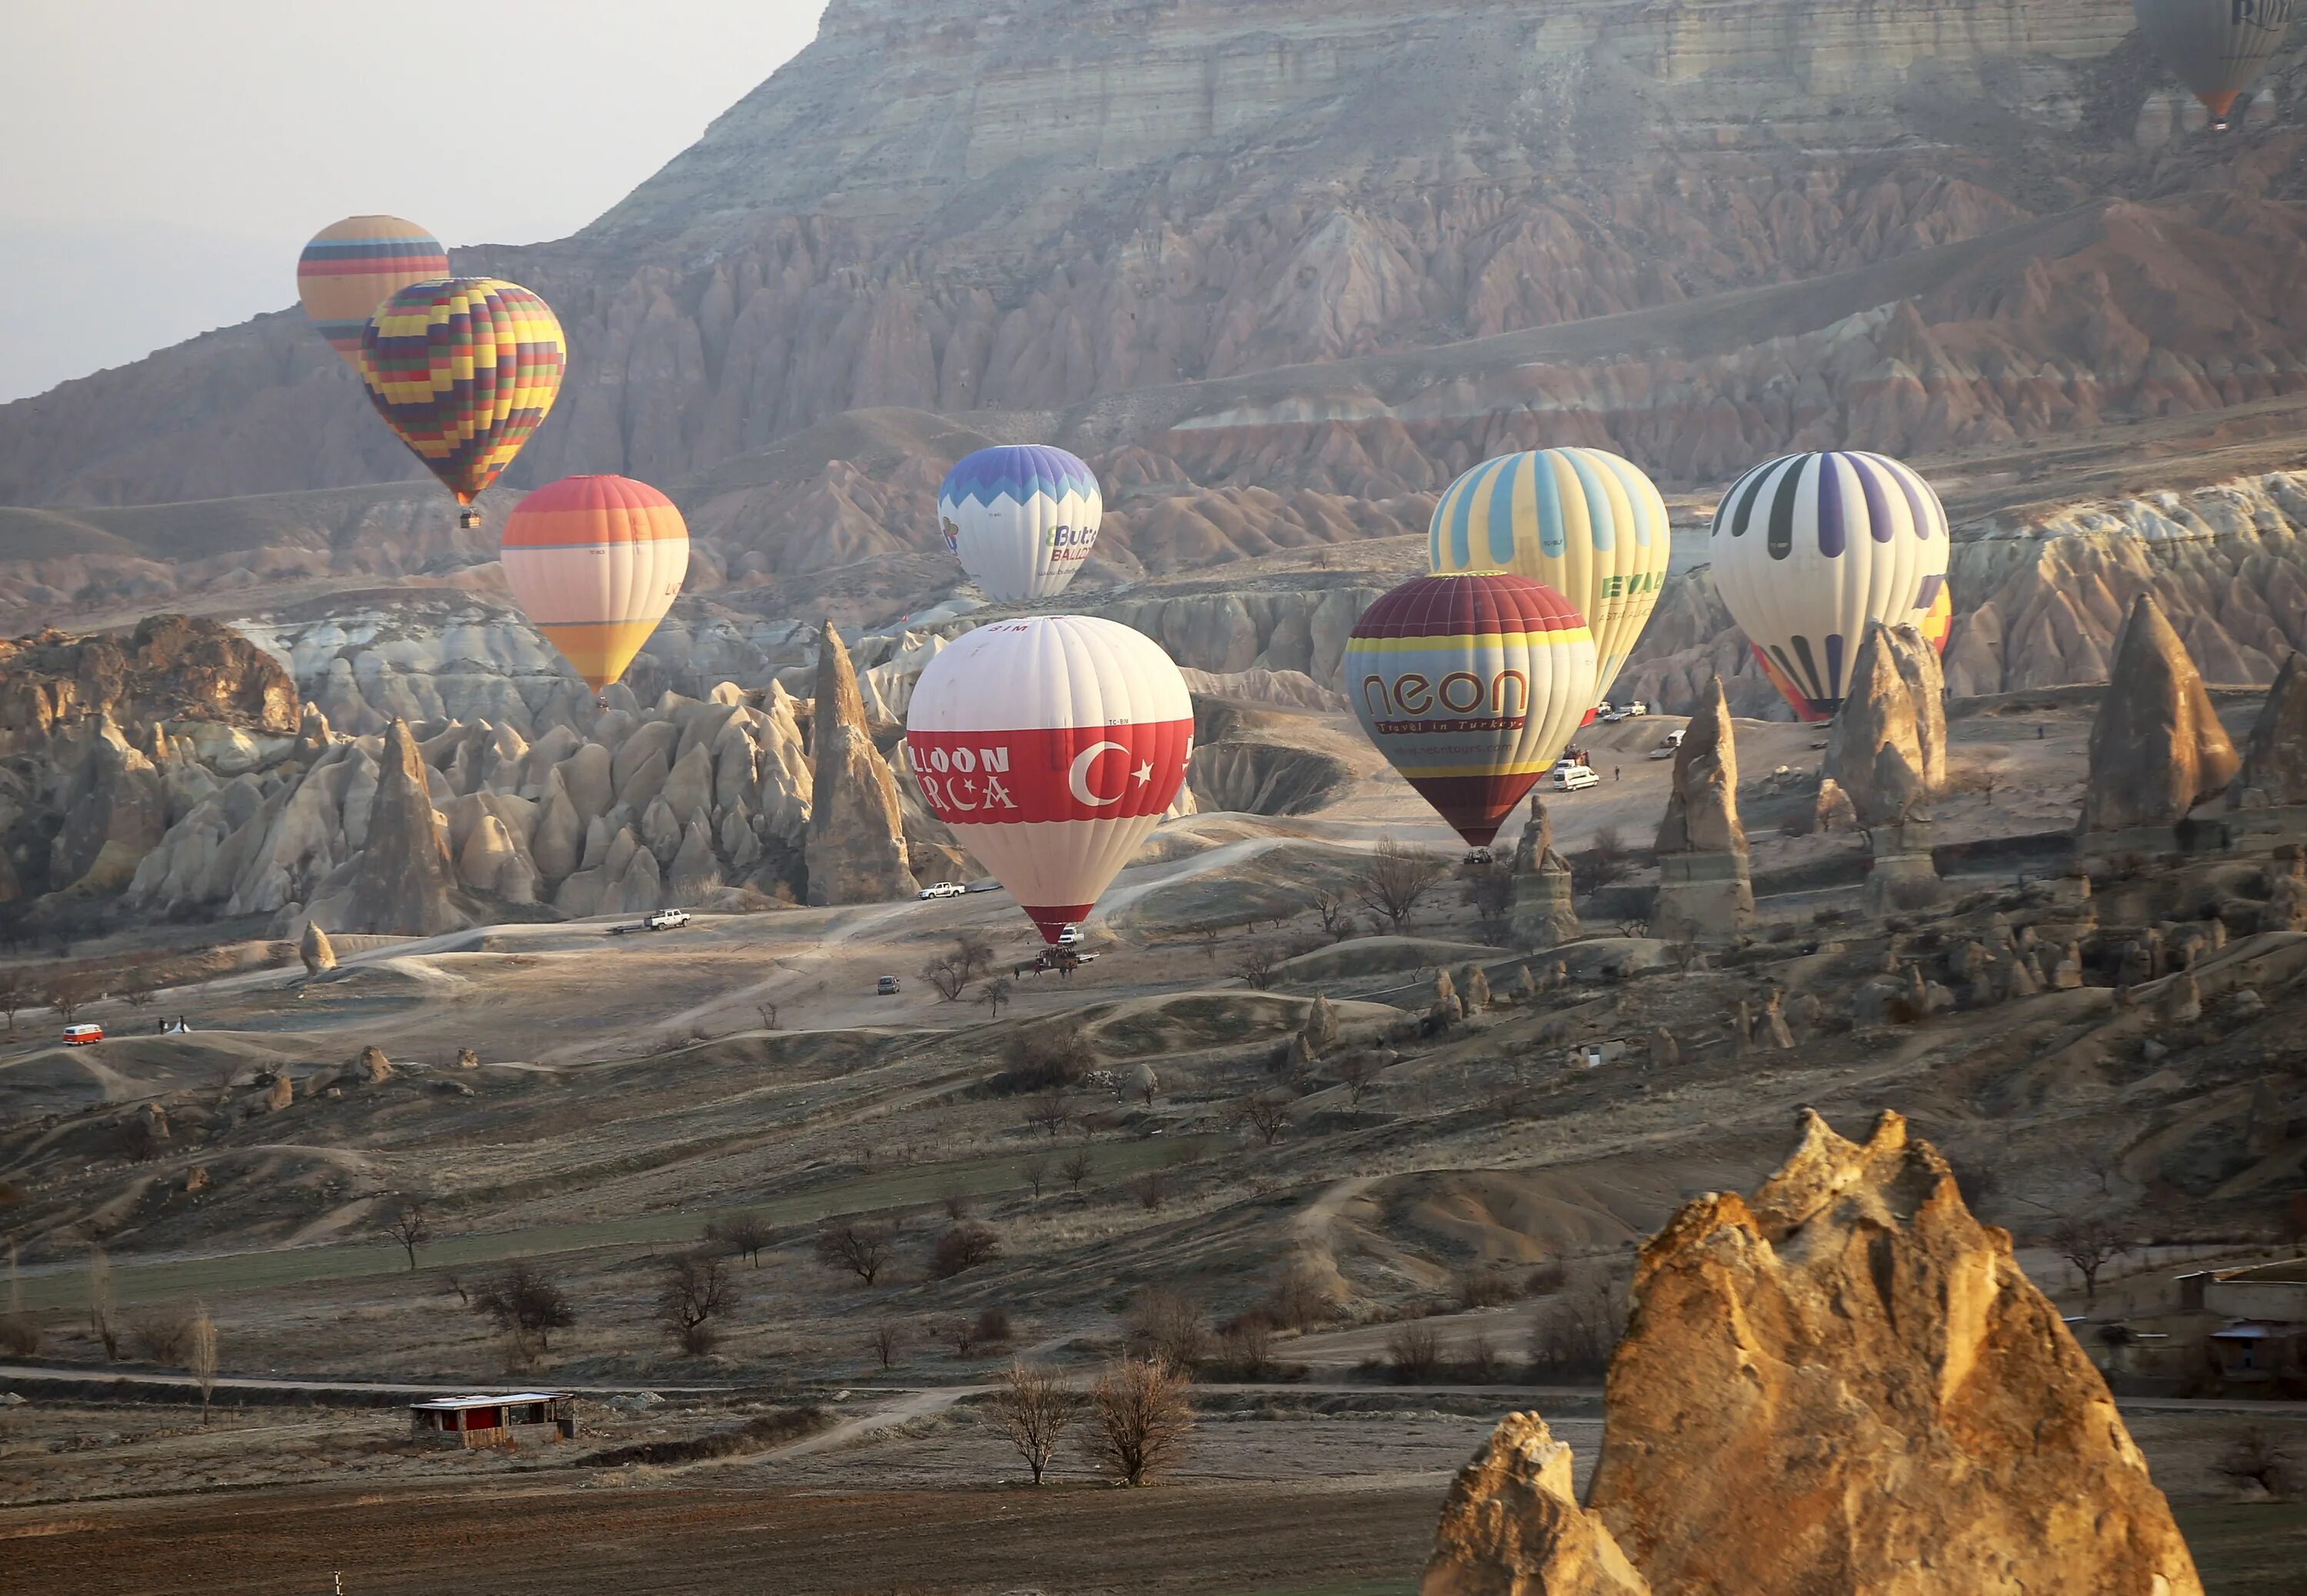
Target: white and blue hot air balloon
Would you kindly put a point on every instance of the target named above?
(1021, 518)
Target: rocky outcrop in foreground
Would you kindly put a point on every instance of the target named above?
(1841, 1384)
(2156, 748)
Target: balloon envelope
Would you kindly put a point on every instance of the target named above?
(1021, 518)
(594, 562)
(1807, 549)
(1583, 521)
(2214, 47)
(1052, 745)
(1471, 686)
(354, 266)
(463, 368)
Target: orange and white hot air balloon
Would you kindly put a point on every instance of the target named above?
(1052, 746)
(595, 563)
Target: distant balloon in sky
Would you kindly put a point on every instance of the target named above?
(463, 368)
(1807, 549)
(354, 266)
(2214, 47)
(594, 562)
(1021, 518)
(1052, 745)
(1471, 687)
(1583, 521)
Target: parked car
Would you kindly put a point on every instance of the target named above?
(943, 889)
(1070, 936)
(1570, 778)
(887, 986)
(1665, 750)
(82, 1036)
(663, 919)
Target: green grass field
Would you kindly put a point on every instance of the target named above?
(2255, 1550)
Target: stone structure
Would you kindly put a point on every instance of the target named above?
(856, 852)
(1704, 893)
(1843, 1383)
(1543, 913)
(315, 950)
(1887, 752)
(401, 885)
(2157, 747)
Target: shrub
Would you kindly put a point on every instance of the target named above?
(1413, 1352)
(1167, 1323)
(1483, 1288)
(1139, 1418)
(1045, 1058)
(963, 1247)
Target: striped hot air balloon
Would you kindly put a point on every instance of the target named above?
(1471, 686)
(1021, 518)
(1807, 549)
(594, 562)
(463, 368)
(1583, 522)
(1052, 745)
(354, 266)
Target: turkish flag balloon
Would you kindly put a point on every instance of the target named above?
(1052, 746)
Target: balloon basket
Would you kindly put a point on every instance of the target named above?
(468, 519)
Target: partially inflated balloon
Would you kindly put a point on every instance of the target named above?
(463, 368)
(594, 562)
(1052, 746)
(2215, 47)
(1808, 549)
(1583, 522)
(1471, 686)
(1021, 518)
(354, 266)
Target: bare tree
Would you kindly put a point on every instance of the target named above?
(201, 1354)
(1168, 1324)
(1256, 964)
(1331, 907)
(2090, 1245)
(858, 1245)
(1075, 1168)
(103, 1312)
(1034, 1408)
(1398, 879)
(524, 1304)
(14, 995)
(694, 1288)
(887, 1341)
(1152, 1190)
(963, 1247)
(1413, 1352)
(1299, 1300)
(1489, 890)
(1140, 1416)
(948, 975)
(160, 1334)
(1268, 1114)
(139, 997)
(1048, 1112)
(1356, 1072)
(768, 1012)
(744, 1234)
(67, 992)
(410, 1228)
(1036, 1171)
(996, 992)
(974, 953)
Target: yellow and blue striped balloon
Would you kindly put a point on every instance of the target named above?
(1583, 521)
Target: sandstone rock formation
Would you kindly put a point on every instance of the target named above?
(2157, 747)
(1544, 912)
(1852, 1335)
(856, 848)
(171, 667)
(315, 950)
(1513, 1527)
(401, 885)
(1704, 892)
(370, 1068)
(1887, 748)
(2274, 769)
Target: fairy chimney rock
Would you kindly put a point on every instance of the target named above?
(2157, 749)
(1512, 1526)
(2275, 754)
(1544, 912)
(1704, 892)
(856, 846)
(403, 882)
(1887, 750)
(316, 951)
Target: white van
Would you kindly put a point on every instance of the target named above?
(1570, 778)
(82, 1036)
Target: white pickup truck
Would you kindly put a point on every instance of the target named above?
(663, 919)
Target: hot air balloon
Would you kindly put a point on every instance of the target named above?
(1052, 745)
(1583, 522)
(2215, 47)
(354, 266)
(1808, 549)
(1021, 518)
(594, 562)
(463, 368)
(1471, 686)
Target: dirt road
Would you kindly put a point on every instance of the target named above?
(645, 1541)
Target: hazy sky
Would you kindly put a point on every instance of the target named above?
(162, 161)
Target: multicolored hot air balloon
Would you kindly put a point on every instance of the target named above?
(1583, 522)
(354, 266)
(2215, 47)
(463, 368)
(1471, 686)
(1021, 518)
(1052, 745)
(594, 562)
(1807, 549)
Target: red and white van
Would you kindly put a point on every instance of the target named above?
(83, 1036)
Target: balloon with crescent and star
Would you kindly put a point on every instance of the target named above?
(1052, 746)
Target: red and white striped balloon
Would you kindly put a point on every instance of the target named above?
(1052, 745)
